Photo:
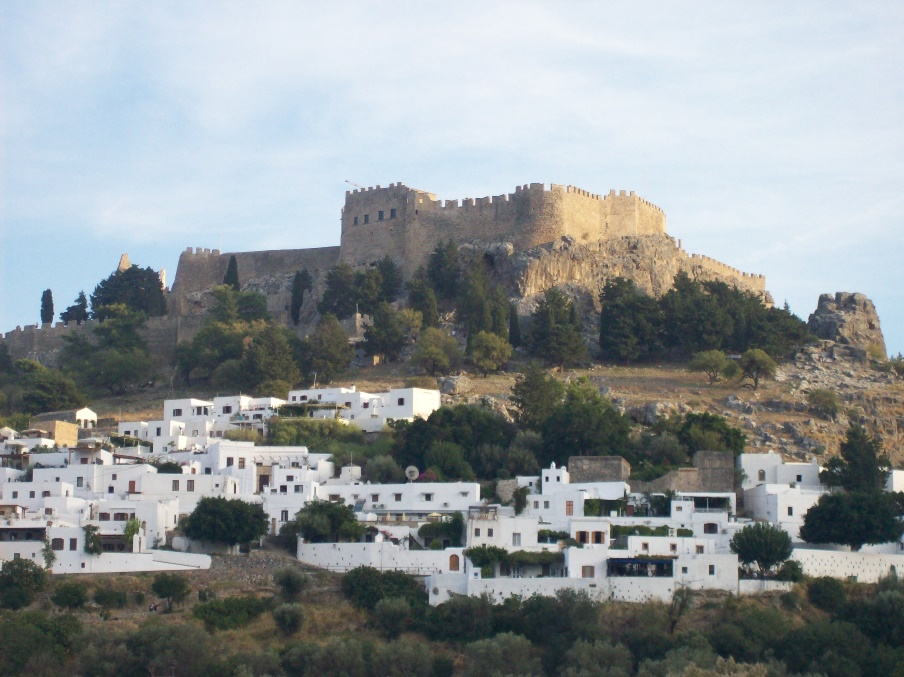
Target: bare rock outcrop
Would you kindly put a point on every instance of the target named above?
(650, 261)
(849, 319)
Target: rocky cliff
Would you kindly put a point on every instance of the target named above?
(851, 320)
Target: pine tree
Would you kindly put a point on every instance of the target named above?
(232, 274)
(47, 307)
(78, 311)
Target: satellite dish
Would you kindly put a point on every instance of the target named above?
(411, 473)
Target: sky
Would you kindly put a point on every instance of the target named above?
(770, 133)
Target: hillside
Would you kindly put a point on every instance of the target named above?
(774, 417)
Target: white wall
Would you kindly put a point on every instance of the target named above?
(863, 567)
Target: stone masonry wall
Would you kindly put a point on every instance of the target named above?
(413, 222)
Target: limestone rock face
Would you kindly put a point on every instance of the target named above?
(650, 261)
(849, 319)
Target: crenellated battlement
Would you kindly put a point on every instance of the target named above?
(407, 224)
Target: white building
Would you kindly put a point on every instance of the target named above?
(368, 411)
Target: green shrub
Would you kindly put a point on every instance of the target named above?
(288, 618)
(827, 593)
(790, 570)
(291, 582)
(230, 613)
(110, 599)
(70, 594)
(365, 587)
(391, 616)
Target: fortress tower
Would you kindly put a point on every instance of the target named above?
(407, 224)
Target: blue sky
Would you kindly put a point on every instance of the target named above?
(770, 133)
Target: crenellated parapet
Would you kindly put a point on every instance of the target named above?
(407, 224)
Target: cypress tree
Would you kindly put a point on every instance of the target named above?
(47, 307)
(232, 274)
(514, 337)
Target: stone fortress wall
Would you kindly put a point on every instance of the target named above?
(407, 224)
(555, 235)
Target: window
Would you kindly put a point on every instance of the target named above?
(283, 489)
(398, 497)
(120, 516)
(356, 221)
(56, 543)
(679, 508)
(367, 218)
(546, 505)
(73, 544)
(229, 461)
(158, 432)
(710, 528)
(673, 547)
(569, 508)
(104, 517)
(190, 485)
(392, 215)
(374, 498)
(16, 493)
(684, 570)
(304, 397)
(516, 540)
(790, 511)
(582, 536)
(299, 489)
(241, 464)
(699, 549)
(227, 409)
(712, 569)
(588, 572)
(800, 478)
(284, 516)
(31, 494)
(175, 485)
(366, 405)
(48, 511)
(177, 412)
(536, 505)
(334, 498)
(477, 533)
(761, 476)
(45, 494)
(401, 401)
(208, 471)
(380, 215)
(645, 547)
(598, 536)
(110, 489)
(290, 478)
(489, 533)
(114, 477)
(428, 497)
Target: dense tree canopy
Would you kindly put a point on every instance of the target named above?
(436, 352)
(765, 544)
(385, 336)
(78, 311)
(328, 522)
(138, 289)
(861, 465)
(443, 272)
(854, 519)
(630, 322)
(536, 394)
(555, 331)
(229, 521)
(584, 424)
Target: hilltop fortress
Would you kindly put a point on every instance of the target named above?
(407, 224)
(535, 238)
